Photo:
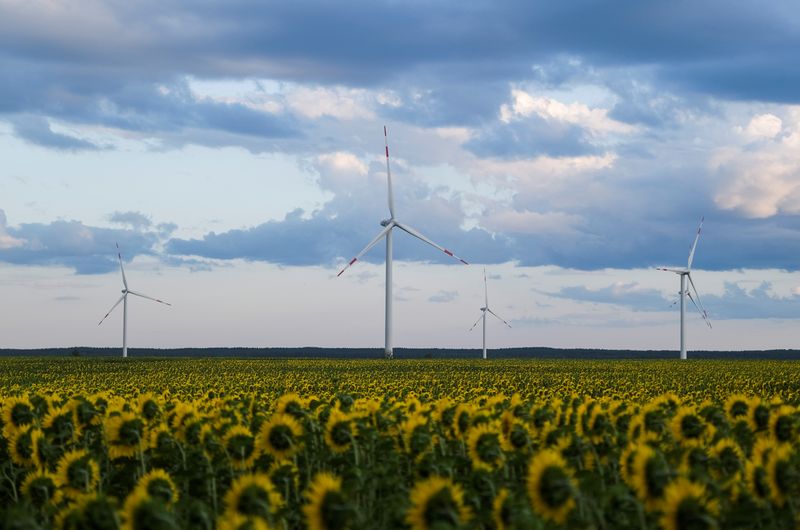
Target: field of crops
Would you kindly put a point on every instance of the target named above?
(255, 444)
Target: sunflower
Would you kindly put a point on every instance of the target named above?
(727, 459)
(240, 446)
(124, 435)
(783, 475)
(688, 427)
(77, 473)
(328, 508)
(484, 445)
(253, 495)
(551, 488)
(737, 407)
(462, 419)
(757, 479)
(291, 404)
(21, 446)
(148, 407)
(89, 511)
(783, 424)
(518, 437)
(160, 439)
(650, 474)
(338, 431)
(685, 506)
(761, 450)
(59, 425)
(626, 458)
(17, 413)
(142, 511)
(280, 436)
(759, 415)
(502, 510)
(416, 438)
(40, 488)
(157, 484)
(437, 502)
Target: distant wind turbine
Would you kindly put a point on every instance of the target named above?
(684, 292)
(124, 300)
(485, 309)
(388, 225)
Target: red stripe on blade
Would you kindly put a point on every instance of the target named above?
(462, 261)
(448, 252)
(387, 151)
(353, 261)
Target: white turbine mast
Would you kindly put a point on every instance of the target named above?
(388, 225)
(124, 300)
(684, 292)
(485, 309)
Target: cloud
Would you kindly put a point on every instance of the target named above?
(736, 302)
(38, 131)
(443, 297)
(764, 181)
(6, 240)
(72, 244)
(135, 220)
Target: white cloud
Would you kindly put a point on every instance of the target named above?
(763, 126)
(596, 120)
(340, 170)
(341, 103)
(765, 181)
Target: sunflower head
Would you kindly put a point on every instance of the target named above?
(338, 431)
(502, 510)
(783, 475)
(124, 435)
(148, 406)
(77, 473)
(737, 406)
(437, 502)
(484, 444)
(551, 488)
(783, 424)
(22, 446)
(41, 489)
(685, 505)
(518, 438)
(650, 475)
(727, 459)
(253, 495)
(16, 413)
(328, 507)
(291, 404)
(157, 484)
(415, 435)
(240, 447)
(280, 436)
(88, 511)
(757, 481)
(143, 512)
(59, 424)
(688, 426)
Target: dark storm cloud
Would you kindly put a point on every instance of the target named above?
(36, 130)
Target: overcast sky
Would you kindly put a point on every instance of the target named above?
(234, 150)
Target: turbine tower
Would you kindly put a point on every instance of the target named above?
(124, 300)
(485, 309)
(684, 292)
(388, 225)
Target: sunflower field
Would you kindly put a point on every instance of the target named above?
(422, 445)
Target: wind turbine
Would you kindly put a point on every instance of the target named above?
(388, 225)
(485, 309)
(124, 300)
(684, 292)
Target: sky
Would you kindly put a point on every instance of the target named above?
(234, 151)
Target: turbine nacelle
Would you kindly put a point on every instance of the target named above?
(387, 222)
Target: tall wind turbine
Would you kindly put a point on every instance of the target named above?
(684, 292)
(124, 300)
(388, 225)
(485, 309)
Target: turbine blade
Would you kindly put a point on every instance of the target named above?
(419, 236)
(150, 298)
(121, 298)
(388, 174)
(676, 271)
(485, 290)
(698, 304)
(498, 316)
(369, 246)
(476, 322)
(119, 255)
(694, 245)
